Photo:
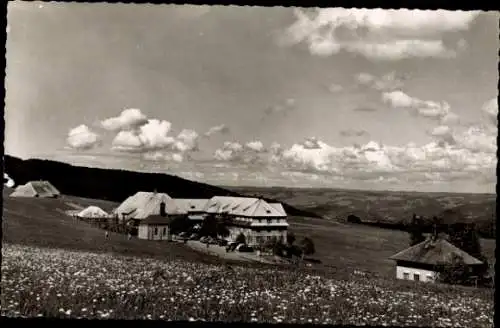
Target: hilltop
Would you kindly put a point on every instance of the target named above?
(115, 185)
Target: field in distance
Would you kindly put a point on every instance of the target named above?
(387, 207)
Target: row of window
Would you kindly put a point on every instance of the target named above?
(416, 276)
(164, 232)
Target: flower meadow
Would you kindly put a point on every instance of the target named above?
(43, 282)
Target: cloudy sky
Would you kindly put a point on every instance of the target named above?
(367, 99)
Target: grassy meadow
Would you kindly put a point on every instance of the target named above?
(379, 206)
(68, 269)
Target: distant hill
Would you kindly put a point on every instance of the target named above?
(114, 185)
(385, 209)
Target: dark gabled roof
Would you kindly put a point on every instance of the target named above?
(156, 220)
(435, 252)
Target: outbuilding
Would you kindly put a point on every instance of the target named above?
(154, 227)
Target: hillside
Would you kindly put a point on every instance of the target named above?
(384, 207)
(113, 185)
(42, 222)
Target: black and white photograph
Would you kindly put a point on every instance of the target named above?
(250, 164)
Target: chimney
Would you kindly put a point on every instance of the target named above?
(163, 211)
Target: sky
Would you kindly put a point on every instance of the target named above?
(331, 97)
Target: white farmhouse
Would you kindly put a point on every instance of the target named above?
(256, 219)
(423, 261)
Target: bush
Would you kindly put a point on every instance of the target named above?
(240, 239)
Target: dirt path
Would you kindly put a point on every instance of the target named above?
(221, 252)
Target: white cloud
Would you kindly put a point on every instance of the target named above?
(491, 110)
(222, 129)
(443, 133)
(187, 140)
(164, 156)
(151, 136)
(387, 82)
(128, 119)
(452, 156)
(251, 152)
(257, 146)
(82, 138)
(425, 108)
(378, 33)
(450, 119)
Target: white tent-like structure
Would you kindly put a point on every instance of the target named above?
(92, 212)
(41, 189)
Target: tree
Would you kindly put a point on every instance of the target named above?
(307, 246)
(241, 239)
(453, 272)
(180, 224)
(416, 231)
(209, 226)
(290, 238)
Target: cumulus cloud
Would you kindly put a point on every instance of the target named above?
(128, 119)
(378, 33)
(425, 108)
(256, 146)
(353, 133)
(490, 108)
(151, 136)
(219, 129)
(409, 163)
(450, 119)
(387, 82)
(164, 156)
(251, 152)
(187, 140)
(443, 133)
(82, 138)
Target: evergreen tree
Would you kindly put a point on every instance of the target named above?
(307, 246)
(290, 238)
(416, 231)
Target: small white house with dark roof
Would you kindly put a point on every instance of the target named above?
(154, 227)
(422, 262)
(256, 219)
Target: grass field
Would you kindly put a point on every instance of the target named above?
(61, 283)
(380, 206)
(55, 258)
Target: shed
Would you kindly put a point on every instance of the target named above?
(154, 227)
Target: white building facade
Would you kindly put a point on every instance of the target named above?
(256, 219)
(415, 274)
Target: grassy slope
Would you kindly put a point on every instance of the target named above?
(362, 247)
(38, 222)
